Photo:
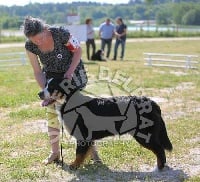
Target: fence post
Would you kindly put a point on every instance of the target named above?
(188, 62)
(149, 60)
(23, 60)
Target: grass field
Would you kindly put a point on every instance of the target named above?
(24, 141)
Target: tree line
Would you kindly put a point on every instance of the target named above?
(164, 12)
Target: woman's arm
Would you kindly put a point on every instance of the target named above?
(74, 46)
(39, 75)
(122, 34)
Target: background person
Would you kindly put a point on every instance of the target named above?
(90, 38)
(120, 34)
(53, 53)
(106, 33)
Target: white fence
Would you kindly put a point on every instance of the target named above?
(171, 60)
(13, 59)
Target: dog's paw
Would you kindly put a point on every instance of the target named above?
(73, 167)
(165, 168)
(97, 161)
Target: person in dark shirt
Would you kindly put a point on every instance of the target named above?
(120, 34)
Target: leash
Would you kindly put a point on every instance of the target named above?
(61, 146)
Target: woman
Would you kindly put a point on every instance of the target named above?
(90, 38)
(120, 33)
(54, 52)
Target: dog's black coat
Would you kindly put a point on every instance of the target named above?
(157, 143)
(98, 56)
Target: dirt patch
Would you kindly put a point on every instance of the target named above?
(178, 73)
(36, 126)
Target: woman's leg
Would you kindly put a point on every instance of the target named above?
(93, 46)
(123, 42)
(115, 49)
(88, 49)
(54, 133)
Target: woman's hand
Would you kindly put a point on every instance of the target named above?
(68, 75)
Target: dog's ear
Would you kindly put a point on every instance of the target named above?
(52, 85)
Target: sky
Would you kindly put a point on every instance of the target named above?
(24, 2)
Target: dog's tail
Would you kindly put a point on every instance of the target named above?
(166, 143)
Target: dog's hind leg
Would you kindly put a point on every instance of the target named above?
(83, 149)
(161, 157)
(94, 155)
(159, 151)
(166, 143)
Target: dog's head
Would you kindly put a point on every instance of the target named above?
(101, 53)
(56, 90)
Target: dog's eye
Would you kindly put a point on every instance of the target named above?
(50, 89)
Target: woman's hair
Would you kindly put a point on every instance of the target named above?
(33, 26)
(88, 20)
(120, 19)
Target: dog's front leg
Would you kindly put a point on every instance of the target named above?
(77, 162)
(89, 137)
(83, 149)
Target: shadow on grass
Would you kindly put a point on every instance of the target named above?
(90, 62)
(100, 172)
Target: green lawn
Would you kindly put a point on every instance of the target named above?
(24, 142)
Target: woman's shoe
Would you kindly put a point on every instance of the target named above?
(53, 157)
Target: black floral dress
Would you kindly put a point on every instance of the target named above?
(57, 62)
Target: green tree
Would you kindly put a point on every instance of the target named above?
(148, 10)
(179, 11)
(163, 16)
(191, 17)
(163, 11)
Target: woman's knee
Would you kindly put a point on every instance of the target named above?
(52, 118)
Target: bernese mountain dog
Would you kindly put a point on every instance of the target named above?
(90, 118)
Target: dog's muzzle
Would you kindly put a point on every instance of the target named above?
(45, 102)
(41, 95)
